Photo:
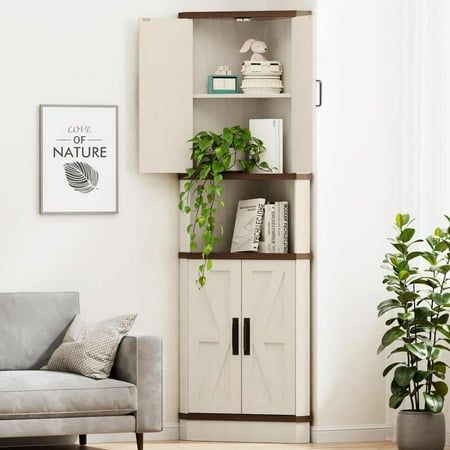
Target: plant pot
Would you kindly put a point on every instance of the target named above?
(419, 430)
(237, 155)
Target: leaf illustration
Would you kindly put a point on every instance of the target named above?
(81, 176)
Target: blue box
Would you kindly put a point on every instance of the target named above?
(223, 84)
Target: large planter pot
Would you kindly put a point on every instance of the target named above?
(417, 430)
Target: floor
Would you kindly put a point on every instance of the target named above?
(178, 445)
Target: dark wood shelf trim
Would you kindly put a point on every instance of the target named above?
(260, 176)
(249, 255)
(279, 14)
(245, 417)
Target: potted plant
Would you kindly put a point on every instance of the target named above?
(213, 154)
(418, 333)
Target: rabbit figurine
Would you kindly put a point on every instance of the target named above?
(258, 48)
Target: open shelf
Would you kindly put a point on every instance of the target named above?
(241, 95)
(246, 255)
(260, 176)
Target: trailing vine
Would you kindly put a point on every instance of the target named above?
(213, 154)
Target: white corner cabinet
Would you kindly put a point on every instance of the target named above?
(245, 336)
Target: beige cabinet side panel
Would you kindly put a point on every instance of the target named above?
(303, 87)
(268, 372)
(300, 217)
(303, 339)
(214, 372)
(165, 94)
(184, 379)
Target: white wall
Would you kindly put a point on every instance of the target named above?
(356, 198)
(85, 52)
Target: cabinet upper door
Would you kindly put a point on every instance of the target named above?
(214, 371)
(165, 94)
(268, 367)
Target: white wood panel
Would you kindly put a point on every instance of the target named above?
(214, 373)
(184, 336)
(303, 89)
(268, 373)
(165, 94)
(233, 431)
(303, 340)
(300, 217)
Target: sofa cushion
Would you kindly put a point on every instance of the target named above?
(32, 326)
(90, 348)
(31, 394)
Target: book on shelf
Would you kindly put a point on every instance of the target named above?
(270, 131)
(275, 232)
(247, 227)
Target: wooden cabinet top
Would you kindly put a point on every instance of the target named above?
(279, 14)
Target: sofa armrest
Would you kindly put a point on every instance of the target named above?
(139, 361)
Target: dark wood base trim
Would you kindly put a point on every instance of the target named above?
(260, 176)
(250, 255)
(244, 417)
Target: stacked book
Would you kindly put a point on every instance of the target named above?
(274, 232)
(261, 226)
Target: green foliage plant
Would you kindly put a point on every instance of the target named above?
(213, 154)
(418, 314)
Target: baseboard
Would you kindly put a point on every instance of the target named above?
(350, 433)
(171, 432)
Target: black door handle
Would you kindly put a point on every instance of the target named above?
(235, 336)
(319, 82)
(246, 336)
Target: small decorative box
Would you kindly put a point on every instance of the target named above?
(223, 84)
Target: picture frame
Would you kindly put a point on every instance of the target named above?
(78, 159)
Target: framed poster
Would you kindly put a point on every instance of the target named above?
(78, 154)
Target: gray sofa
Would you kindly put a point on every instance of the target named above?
(36, 402)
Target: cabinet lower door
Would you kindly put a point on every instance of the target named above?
(268, 315)
(214, 371)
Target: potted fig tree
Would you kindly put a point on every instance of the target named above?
(418, 335)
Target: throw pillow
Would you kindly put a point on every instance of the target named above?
(90, 348)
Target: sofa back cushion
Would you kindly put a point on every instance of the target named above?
(32, 326)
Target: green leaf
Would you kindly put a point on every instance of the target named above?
(441, 388)
(389, 368)
(204, 172)
(413, 255)
(217, 167)
(403, 375)
(407, 296)
(388, 308)
(421, 375)
(433, 353)
(400, 247)
(392, 335)
(399, 220)
(396, 400)
(209, 264)
(440, 367)
(419, 350)
(434, 402)
(403, 274)
(407, 234)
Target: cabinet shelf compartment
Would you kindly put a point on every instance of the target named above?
(245, 186)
